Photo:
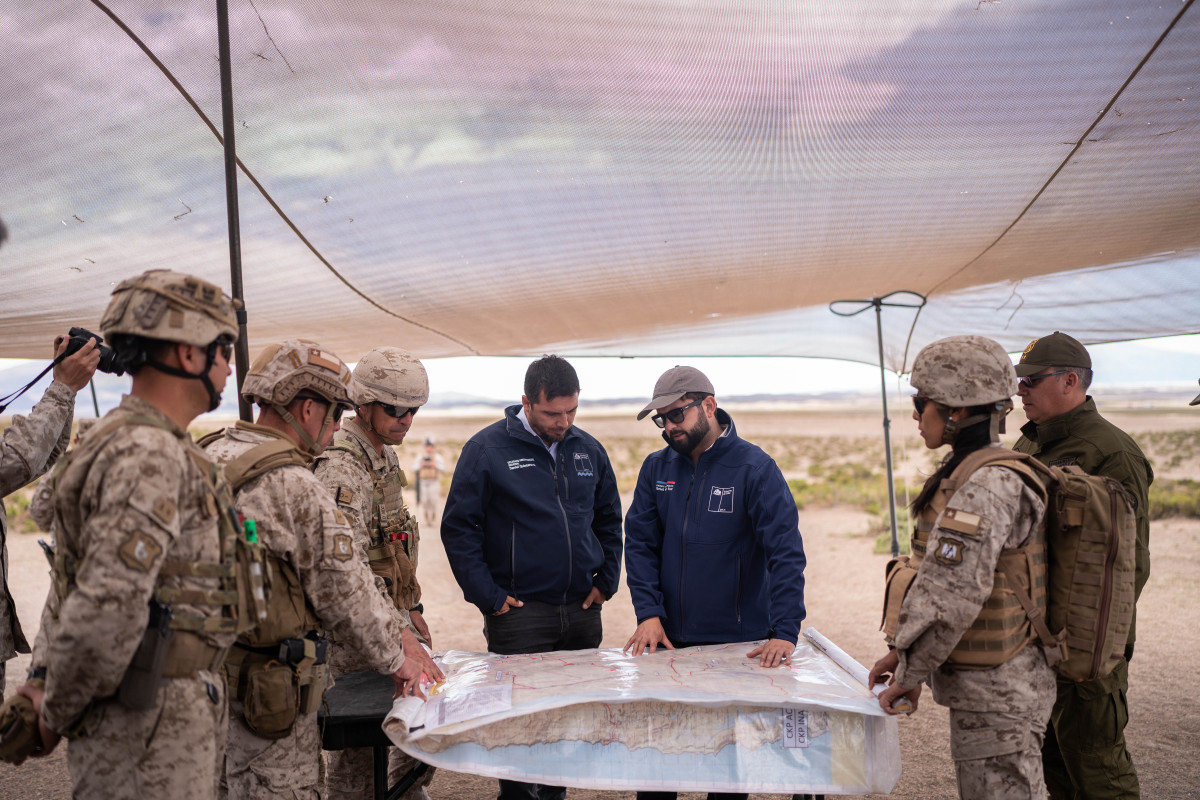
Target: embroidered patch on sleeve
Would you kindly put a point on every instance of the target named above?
(950, 551)
(340, 518)
(343, 546)
(344, 496)
(139, 551)
(163, 510)
(959, 521)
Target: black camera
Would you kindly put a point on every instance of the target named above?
(78, 337)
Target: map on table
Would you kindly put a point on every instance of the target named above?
(695, 719)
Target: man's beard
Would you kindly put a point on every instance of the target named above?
(687, 444)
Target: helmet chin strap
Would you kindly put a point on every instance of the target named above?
(995, 417)
(214, 397)
(364, 420)
(313, 448)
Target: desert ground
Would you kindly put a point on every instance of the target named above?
(840, 455)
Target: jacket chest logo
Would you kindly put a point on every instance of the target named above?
(664, 486)
(521, 463)
(583, 465)
(720, 500)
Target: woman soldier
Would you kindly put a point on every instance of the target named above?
(954, 612)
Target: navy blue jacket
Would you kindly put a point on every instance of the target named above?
(715, 551)
(518, 523)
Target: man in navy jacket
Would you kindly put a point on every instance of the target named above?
(713, 553)
(532, 527)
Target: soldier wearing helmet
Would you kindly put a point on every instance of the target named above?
(978, 528)
(143, 606)
(362, 471)
(317, 583)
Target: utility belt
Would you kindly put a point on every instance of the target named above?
(278, 683)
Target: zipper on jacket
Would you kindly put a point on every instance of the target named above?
(737, 590)
(566, 521)
(512, 557)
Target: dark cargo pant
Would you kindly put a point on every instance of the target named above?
(1084, 756)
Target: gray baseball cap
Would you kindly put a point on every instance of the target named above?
(674, 384)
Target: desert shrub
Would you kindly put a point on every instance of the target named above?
(1174, 498)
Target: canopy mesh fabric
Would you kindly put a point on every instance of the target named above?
(618, 178)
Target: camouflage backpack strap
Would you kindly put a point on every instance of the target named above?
(204, 441)
(261, 459)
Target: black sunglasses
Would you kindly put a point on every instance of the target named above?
(398, 412)
(224, 346)
(919, 403)
(675, 415)
(338, 408)
(1032, 380)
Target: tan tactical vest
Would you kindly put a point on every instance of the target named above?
(252, 669)
(187, 653)
(428, 470)
(393, 531)
(1014, 614)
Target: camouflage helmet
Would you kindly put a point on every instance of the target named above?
(171, 306)
(392, 376)
(963, 371)
(281, 371)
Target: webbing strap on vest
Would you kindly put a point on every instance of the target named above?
(261, 459)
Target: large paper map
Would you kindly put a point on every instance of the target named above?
(698, 719)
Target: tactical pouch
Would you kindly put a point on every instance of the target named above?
(139, 687)
(272, 700)
(19, 736)
(900, 575)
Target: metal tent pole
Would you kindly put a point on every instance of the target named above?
(241, 348)
(878, 303)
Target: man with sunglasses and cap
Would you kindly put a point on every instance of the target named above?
(277, 671)
(532, 528)
(362, 471)
(1084, 753)
(713, 552)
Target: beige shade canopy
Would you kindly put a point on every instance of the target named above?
(511, 177)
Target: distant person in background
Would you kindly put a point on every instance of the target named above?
(428, 468)
(532, 528)
(28, 448)
(1196, 401)
(1085, 754)
(713, 552)
(41, 507)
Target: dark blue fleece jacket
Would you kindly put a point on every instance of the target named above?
(715, 551)
(520, 523)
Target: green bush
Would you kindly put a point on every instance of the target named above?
(1174, 498)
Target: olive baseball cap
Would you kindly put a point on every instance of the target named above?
(674, 384)
(1195, 402)
(1055, 350)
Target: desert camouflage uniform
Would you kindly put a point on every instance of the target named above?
(129, 499)
(28, 448)
(298, 522)
(361, 495)
(998, 715)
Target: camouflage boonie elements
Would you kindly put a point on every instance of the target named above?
(173, 307)
(281, 371)
(393, 376)
(961, 371)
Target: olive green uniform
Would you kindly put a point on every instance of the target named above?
(367, 487)
(1085, 754)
